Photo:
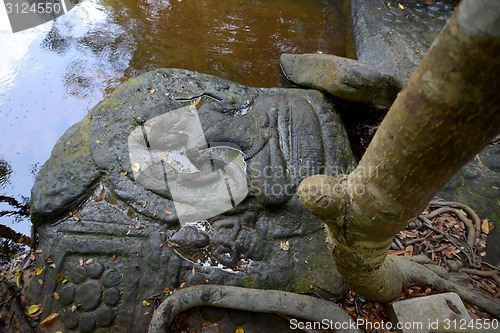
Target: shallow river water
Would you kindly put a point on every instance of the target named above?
(53, 74)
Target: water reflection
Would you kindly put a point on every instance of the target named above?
(17, 210)
(51, 75)
(240, 40)
(5, 171)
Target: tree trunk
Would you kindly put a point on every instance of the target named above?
(448, 111)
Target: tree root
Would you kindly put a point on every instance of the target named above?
(470, 257)
(413, 272)
(475, 218)
(255, 300)
(490, 274)
(471, 228)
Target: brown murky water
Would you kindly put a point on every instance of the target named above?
(50, 76)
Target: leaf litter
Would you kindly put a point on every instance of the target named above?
(444, 240)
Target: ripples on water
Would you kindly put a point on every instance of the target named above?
(51, 75)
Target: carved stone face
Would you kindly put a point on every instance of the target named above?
(131, 231)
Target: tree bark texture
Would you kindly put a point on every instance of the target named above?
(448, 111)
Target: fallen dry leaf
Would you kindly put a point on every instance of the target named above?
(33, 308)
(409, 250)
(409, 233)
(174, 245)
(99, 198)
(56, 295)
(240, 265)
(400, 6)
(50, 320)
(183, 284)
(89, 261)
(285, 246)
(485, 226)
(81, 262)
(453, 307)
(114, 256)
(168, 212)
(38, 251)
(59, 277)
(145, 303)
(396, 252)
(136, 167)
(38, 271)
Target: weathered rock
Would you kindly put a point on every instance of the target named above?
(477, 185)
(345, 78)
(428, 313)
(67, 176)
(393, 39)
(132, 233)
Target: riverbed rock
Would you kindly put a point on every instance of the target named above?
(116, 240)
(345, 78)
(477, 185)
(395, 40)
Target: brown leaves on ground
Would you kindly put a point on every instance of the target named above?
(50, 320)
(445, 243)
(419, 239)
(359, 308)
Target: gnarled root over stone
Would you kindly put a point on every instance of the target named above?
(360, 245)
(410, 271)
(255, 300)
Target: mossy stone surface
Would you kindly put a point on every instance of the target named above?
(123, 242)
